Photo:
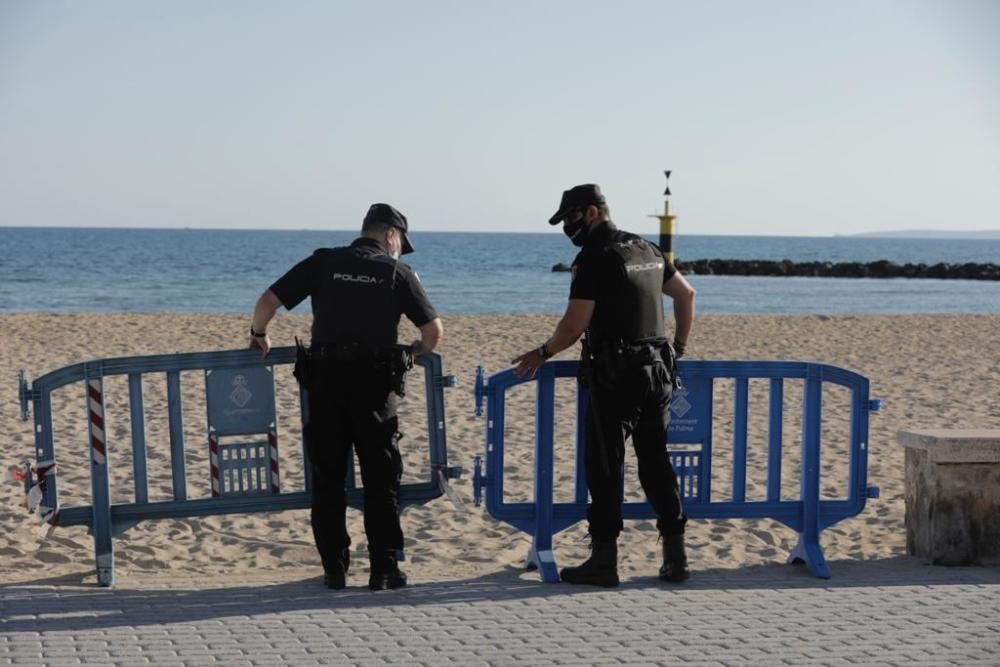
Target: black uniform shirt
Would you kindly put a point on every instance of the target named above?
(624, 275)
(358, 294)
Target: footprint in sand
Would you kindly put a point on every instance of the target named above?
(762, 535)
(51, 557)
(63, 541)
(141, 549)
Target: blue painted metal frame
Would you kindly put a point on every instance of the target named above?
(107, 520)
(808, 515)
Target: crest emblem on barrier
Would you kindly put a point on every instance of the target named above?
(240, 394)
(680, 406)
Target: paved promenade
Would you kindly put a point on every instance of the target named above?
(877, 612)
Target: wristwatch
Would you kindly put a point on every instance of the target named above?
(543, 351)
(255, 334)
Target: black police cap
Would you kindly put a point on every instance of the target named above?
(387, 215)
(588, 194)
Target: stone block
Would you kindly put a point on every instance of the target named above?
(953, 495)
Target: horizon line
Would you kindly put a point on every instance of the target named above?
(886, 233)
(355, 230)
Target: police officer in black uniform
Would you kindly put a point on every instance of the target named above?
(629, 366)
(353, 372)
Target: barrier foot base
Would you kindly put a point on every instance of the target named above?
(545, 562)
(119, 527)
(811, 554)
(105, 576)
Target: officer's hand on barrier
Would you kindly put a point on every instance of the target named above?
(528, 363)
(262, 343)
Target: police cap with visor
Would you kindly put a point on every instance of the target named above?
(576, 197)
(387, 215)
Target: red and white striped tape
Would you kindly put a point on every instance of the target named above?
(272, 442)
(95, 406)
(213, 455)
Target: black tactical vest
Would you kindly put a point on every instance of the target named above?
(354, 299)
(629, 305)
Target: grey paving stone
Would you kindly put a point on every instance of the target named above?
(883, 613)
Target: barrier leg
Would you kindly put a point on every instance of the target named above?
(541, 555)
(808, 549)
(99, 483)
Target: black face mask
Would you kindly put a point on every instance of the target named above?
(577, 231)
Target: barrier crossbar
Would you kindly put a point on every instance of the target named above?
(690, 447)
(245, 476)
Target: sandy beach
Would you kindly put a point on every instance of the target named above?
(932, 371)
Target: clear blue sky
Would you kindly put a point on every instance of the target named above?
(792, 117)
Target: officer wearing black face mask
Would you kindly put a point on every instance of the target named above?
(353, 373)
(629, 366)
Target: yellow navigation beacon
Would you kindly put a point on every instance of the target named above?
(666, 223)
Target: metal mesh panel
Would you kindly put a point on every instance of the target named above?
(245, 469)
(687, 466)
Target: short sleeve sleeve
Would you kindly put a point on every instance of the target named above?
(585, 271)
(293, 287)
(669, 270)
(413, 301)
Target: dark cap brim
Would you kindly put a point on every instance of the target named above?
(560, 214)
(407, 246)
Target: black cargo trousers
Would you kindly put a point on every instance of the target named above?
(633, 401)
(351, 405)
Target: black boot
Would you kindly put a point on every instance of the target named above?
(336, 577)
(385, 572)
(601, 569)
(675, 562)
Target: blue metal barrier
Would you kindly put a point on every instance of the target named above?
(691, 431)
(244, 475)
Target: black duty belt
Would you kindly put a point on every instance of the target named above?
(633, 354)
(347, 352)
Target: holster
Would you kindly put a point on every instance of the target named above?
(400, 362)
(670, 361)
(302, 370)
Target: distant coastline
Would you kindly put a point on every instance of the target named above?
(992, 234)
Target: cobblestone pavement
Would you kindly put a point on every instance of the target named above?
(875, 612)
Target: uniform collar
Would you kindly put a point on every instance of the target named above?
(601, 233)
(365, 242)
